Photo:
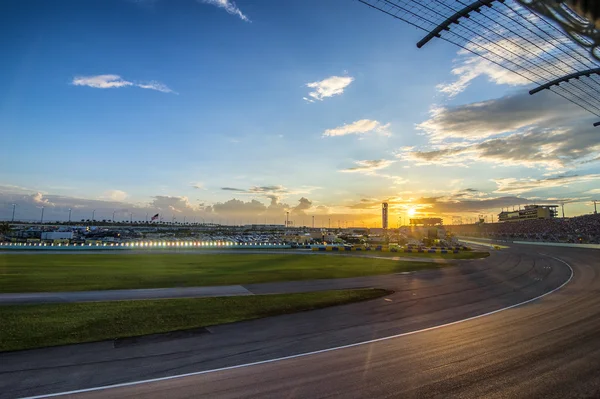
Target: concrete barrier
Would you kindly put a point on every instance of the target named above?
(559, 244)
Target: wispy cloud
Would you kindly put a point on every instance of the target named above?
(371, 168)
(329, 87)
(444, 204)
(472, 67)
(101, 81)
(368, 166)
(469, 67)
(267, 191)
(516, 186)
(154, 85)
(116, 81)
(362, 126)
(228, 6)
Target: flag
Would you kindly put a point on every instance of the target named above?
(154, 217)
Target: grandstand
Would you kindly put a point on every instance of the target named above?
(580, 229)
(528, 213)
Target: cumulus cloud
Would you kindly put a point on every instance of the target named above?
(172, 203)
(512, 130)
(368, 166)
(517, 186)
(304, 204)
(228, 6)
(497, 116)
(115, 81)
(39, 199)
(235, 207)
(329, 87)
(362, 126)
(116, 195)
(56, 207)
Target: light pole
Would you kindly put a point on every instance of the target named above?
(313, 221)
(287, 220)
(15, 205)
(69, 215)
(131, 218)
(42, 217)
(594, 201)
(113, 219)
(146, 217)
(93, 215)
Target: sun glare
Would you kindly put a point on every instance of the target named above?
(411, 211)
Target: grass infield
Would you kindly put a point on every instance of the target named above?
(34, 326)
(84, 272)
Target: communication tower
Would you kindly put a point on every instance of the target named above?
(384, 215)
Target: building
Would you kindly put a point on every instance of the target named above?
(530, 212)
(384, 215)
(57, 235)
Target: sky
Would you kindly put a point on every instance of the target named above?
(238, 112)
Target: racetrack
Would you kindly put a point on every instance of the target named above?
(546, 348)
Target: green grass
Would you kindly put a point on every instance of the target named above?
(34, 326)
(81, 272)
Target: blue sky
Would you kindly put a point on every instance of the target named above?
(159, 105)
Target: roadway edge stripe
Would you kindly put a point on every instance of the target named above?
(126, 384)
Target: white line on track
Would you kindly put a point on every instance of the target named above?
(126, 384)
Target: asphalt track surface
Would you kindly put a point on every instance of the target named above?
(548, 347)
